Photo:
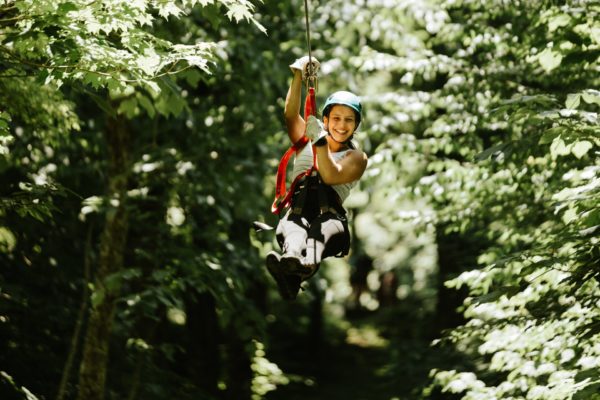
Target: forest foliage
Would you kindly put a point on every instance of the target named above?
(138, 142)
(525, 92)
(495, 105)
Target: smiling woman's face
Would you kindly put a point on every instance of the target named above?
(341, 122)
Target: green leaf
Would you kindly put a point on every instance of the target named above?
(585, 375)
(550, 134)
(559, 148)
(147, 105)
(113, 282)
(566, 46)
(5, 137)
(491, 151)
(92, 79)
(153, 88)
(3, 127)
(67, 7)
(550, 59)
(595, 33)
(558, 21)
(580, 148)
(42, 76)
(12, 390)
(588, 330)
(570, 215)
(172, 104)
(590, 392)
(591, 96)
(544, 100)
(238, 12)
(7, 240)
(192, 77)
(593, 218)
(166, 9)
(508, 291)
(97, 297)
(129, 107)
(573, 100)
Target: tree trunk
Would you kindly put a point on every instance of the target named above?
(92, 373)
(204, 361)
(239, 372)
(457, 252)
(85, 294)
(238, 362)
(136, 377)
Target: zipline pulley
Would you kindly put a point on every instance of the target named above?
(311, 79)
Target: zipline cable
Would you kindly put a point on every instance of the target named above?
(310, 106)
(310, 68)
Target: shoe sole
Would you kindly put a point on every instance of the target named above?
(276, 269)
(294, 266)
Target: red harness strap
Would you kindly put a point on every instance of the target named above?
(310, 104)
(283, 198)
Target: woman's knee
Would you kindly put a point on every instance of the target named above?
(331, 228)
(323, 230)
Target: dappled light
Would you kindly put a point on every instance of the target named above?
(139, 147)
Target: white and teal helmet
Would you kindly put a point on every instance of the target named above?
(346, 99)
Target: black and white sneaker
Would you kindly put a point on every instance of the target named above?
(293, 265)
(287, 284)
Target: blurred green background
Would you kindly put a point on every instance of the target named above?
(139, 141)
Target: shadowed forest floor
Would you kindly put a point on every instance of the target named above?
(370, 356)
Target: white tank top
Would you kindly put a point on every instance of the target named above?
(304, 160)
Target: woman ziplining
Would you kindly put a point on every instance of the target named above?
(327, 166)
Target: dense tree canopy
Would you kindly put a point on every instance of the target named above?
(138, 143)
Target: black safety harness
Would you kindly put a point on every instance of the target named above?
(308, 196)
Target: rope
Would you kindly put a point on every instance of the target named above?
(311, 76)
